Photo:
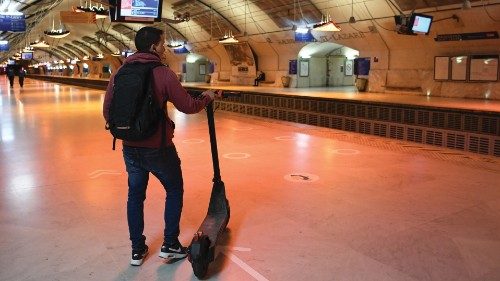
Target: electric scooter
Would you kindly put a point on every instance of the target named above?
(201, 251)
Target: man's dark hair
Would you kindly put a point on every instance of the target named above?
(146, 37)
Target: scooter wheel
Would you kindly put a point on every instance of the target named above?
(200, 269)
(199, 254)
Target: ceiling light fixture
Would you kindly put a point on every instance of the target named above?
(352, 19)
(326, 25)
(57, 33)
(100, 11)
(175, 45)
(228, 39)
(39, 44)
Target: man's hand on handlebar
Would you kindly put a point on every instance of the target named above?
(213, 94)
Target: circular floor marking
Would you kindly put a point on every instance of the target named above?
(283, 138)
(237, 155)
(193, 141)
(346, 151)
(301, 177)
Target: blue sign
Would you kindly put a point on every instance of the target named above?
(182, 50)
(13, 23)
(292, 67)
(304, 37)
(361, 66)
(4, 46)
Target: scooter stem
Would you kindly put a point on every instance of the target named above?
(213, 141)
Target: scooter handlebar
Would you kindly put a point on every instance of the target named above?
(196, 93)
(231, 94)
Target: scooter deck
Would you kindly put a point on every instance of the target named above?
(213, 226)
(218, 214)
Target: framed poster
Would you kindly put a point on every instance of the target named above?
(304, 68)
(483, 68)
(202, 69)
(442, 68)
(459, 68)
(349, 67)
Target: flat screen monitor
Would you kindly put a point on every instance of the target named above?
(420, 23)
(138, 11)
(27, 55)
(11, 62)
(127, 54)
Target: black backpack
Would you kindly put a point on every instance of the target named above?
(134, 113)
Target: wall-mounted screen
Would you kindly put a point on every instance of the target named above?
(27, 55)
(420, 23)
(135, 10)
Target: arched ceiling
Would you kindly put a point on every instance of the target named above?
(209, 20)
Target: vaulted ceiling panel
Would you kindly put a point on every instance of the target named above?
(95, 43)
(75, 49)
(111, 39)
(68, 51)
(286, 13)
(210, 20)
(408, 5)
(84, 46)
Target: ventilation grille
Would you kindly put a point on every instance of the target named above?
(455, 141)
(434, 138)
(396, 132)
(479, 145)
(477, 133)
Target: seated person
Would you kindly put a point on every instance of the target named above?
(260, 77)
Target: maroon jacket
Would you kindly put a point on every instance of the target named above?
(166, 88)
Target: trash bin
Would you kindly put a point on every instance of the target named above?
(207, 78)
(285, 80)
(361, 84)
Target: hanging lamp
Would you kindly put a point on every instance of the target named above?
(57, 33)
(326, 24)
(100, 11)
(352, 19)
(228, 38)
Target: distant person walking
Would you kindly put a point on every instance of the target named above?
(11, 75)
(21, 74)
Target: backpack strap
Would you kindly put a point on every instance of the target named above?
(163, 123)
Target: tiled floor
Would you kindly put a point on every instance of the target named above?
(307, 203)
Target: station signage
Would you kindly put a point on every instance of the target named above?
(12, 22)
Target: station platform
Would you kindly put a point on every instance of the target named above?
(308, 202)
(470, 125)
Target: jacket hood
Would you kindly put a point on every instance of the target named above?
(143, 57)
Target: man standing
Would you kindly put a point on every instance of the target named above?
(11, 74)
(21, 74)
(150, 156)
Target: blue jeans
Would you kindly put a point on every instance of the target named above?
(165, 165)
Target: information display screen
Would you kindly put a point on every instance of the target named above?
(27, 56)
(421, 23)
(137, 11)
(140, 8)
